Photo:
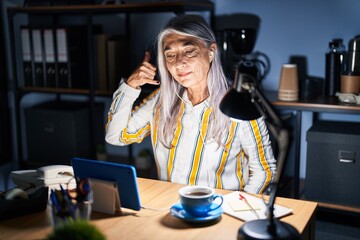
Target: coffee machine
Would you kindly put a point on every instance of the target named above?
(236, 36)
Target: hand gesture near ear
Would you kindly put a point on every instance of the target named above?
(145, 73)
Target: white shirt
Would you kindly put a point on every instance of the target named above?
(246, 163)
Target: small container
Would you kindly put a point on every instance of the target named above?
(334, 66)
(350, 83)
(353, 56)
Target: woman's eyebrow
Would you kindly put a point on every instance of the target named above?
(184, 43)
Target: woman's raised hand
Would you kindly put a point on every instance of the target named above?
(144, 74)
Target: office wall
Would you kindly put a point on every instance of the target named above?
(294, 27)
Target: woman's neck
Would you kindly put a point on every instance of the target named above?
(197, 96)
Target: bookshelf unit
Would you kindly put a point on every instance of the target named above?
(87, 13)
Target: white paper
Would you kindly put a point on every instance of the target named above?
(256, 202)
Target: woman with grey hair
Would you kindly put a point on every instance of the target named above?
(193, 142)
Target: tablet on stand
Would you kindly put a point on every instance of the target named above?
(114, 185)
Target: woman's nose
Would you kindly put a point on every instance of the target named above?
(180, 60)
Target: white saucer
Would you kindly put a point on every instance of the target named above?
(178, 211)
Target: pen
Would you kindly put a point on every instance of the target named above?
(243, 198)
(68, 206)
(55, 201)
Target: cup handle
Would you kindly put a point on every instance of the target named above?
(219, 205)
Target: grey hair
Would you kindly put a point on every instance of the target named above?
(170, 90)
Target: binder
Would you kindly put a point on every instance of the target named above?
(49, 49)
(26, 56)
(39, 73)
(73, 56)
(62, 57)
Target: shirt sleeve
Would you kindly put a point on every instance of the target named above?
(261, 161)
(125, 125)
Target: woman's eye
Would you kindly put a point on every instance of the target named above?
(191, 53)
(170, 57)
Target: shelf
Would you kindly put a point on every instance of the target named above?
(176, 7)
(64, 91)
(322, 104)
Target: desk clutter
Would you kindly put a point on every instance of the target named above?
(71, 204)
(36, 201)
(69, 197)
(32, 191)
(243, 206)
(348, 97)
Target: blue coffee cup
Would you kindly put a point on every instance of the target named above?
(198, 200)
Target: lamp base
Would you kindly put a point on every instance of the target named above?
(259, 229)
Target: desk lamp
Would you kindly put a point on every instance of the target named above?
(245, 101)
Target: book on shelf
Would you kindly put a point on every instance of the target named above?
(111, 60)
(118, 63)
(101, 61)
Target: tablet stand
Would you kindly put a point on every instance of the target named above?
(106, 196)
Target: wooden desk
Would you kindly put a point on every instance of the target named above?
(160, 224)
(315, 106)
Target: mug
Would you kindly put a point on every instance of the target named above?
(198, 200)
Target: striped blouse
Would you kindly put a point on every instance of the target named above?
(244, 162)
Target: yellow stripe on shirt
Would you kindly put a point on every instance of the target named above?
(175, 141)
(261, 153)
(225, 153)
(137, 136)
(199, 147)
(239, 172)
(141, 133)
(155, 127)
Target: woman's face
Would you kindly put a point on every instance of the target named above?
(187, 59)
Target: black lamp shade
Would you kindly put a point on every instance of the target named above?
(238, 105)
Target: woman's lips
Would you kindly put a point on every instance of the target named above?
(183, 74)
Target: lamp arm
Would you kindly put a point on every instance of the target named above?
(281, 136)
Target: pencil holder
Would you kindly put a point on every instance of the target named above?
(65, 209)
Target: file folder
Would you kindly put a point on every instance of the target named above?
(49, 49)
(38, 58)
(26, 56)
(64, 74)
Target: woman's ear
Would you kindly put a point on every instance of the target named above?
(211, 54)
(213, 48)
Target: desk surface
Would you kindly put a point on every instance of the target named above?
(157, 224)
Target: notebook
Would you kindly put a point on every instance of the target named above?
(238, 208)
